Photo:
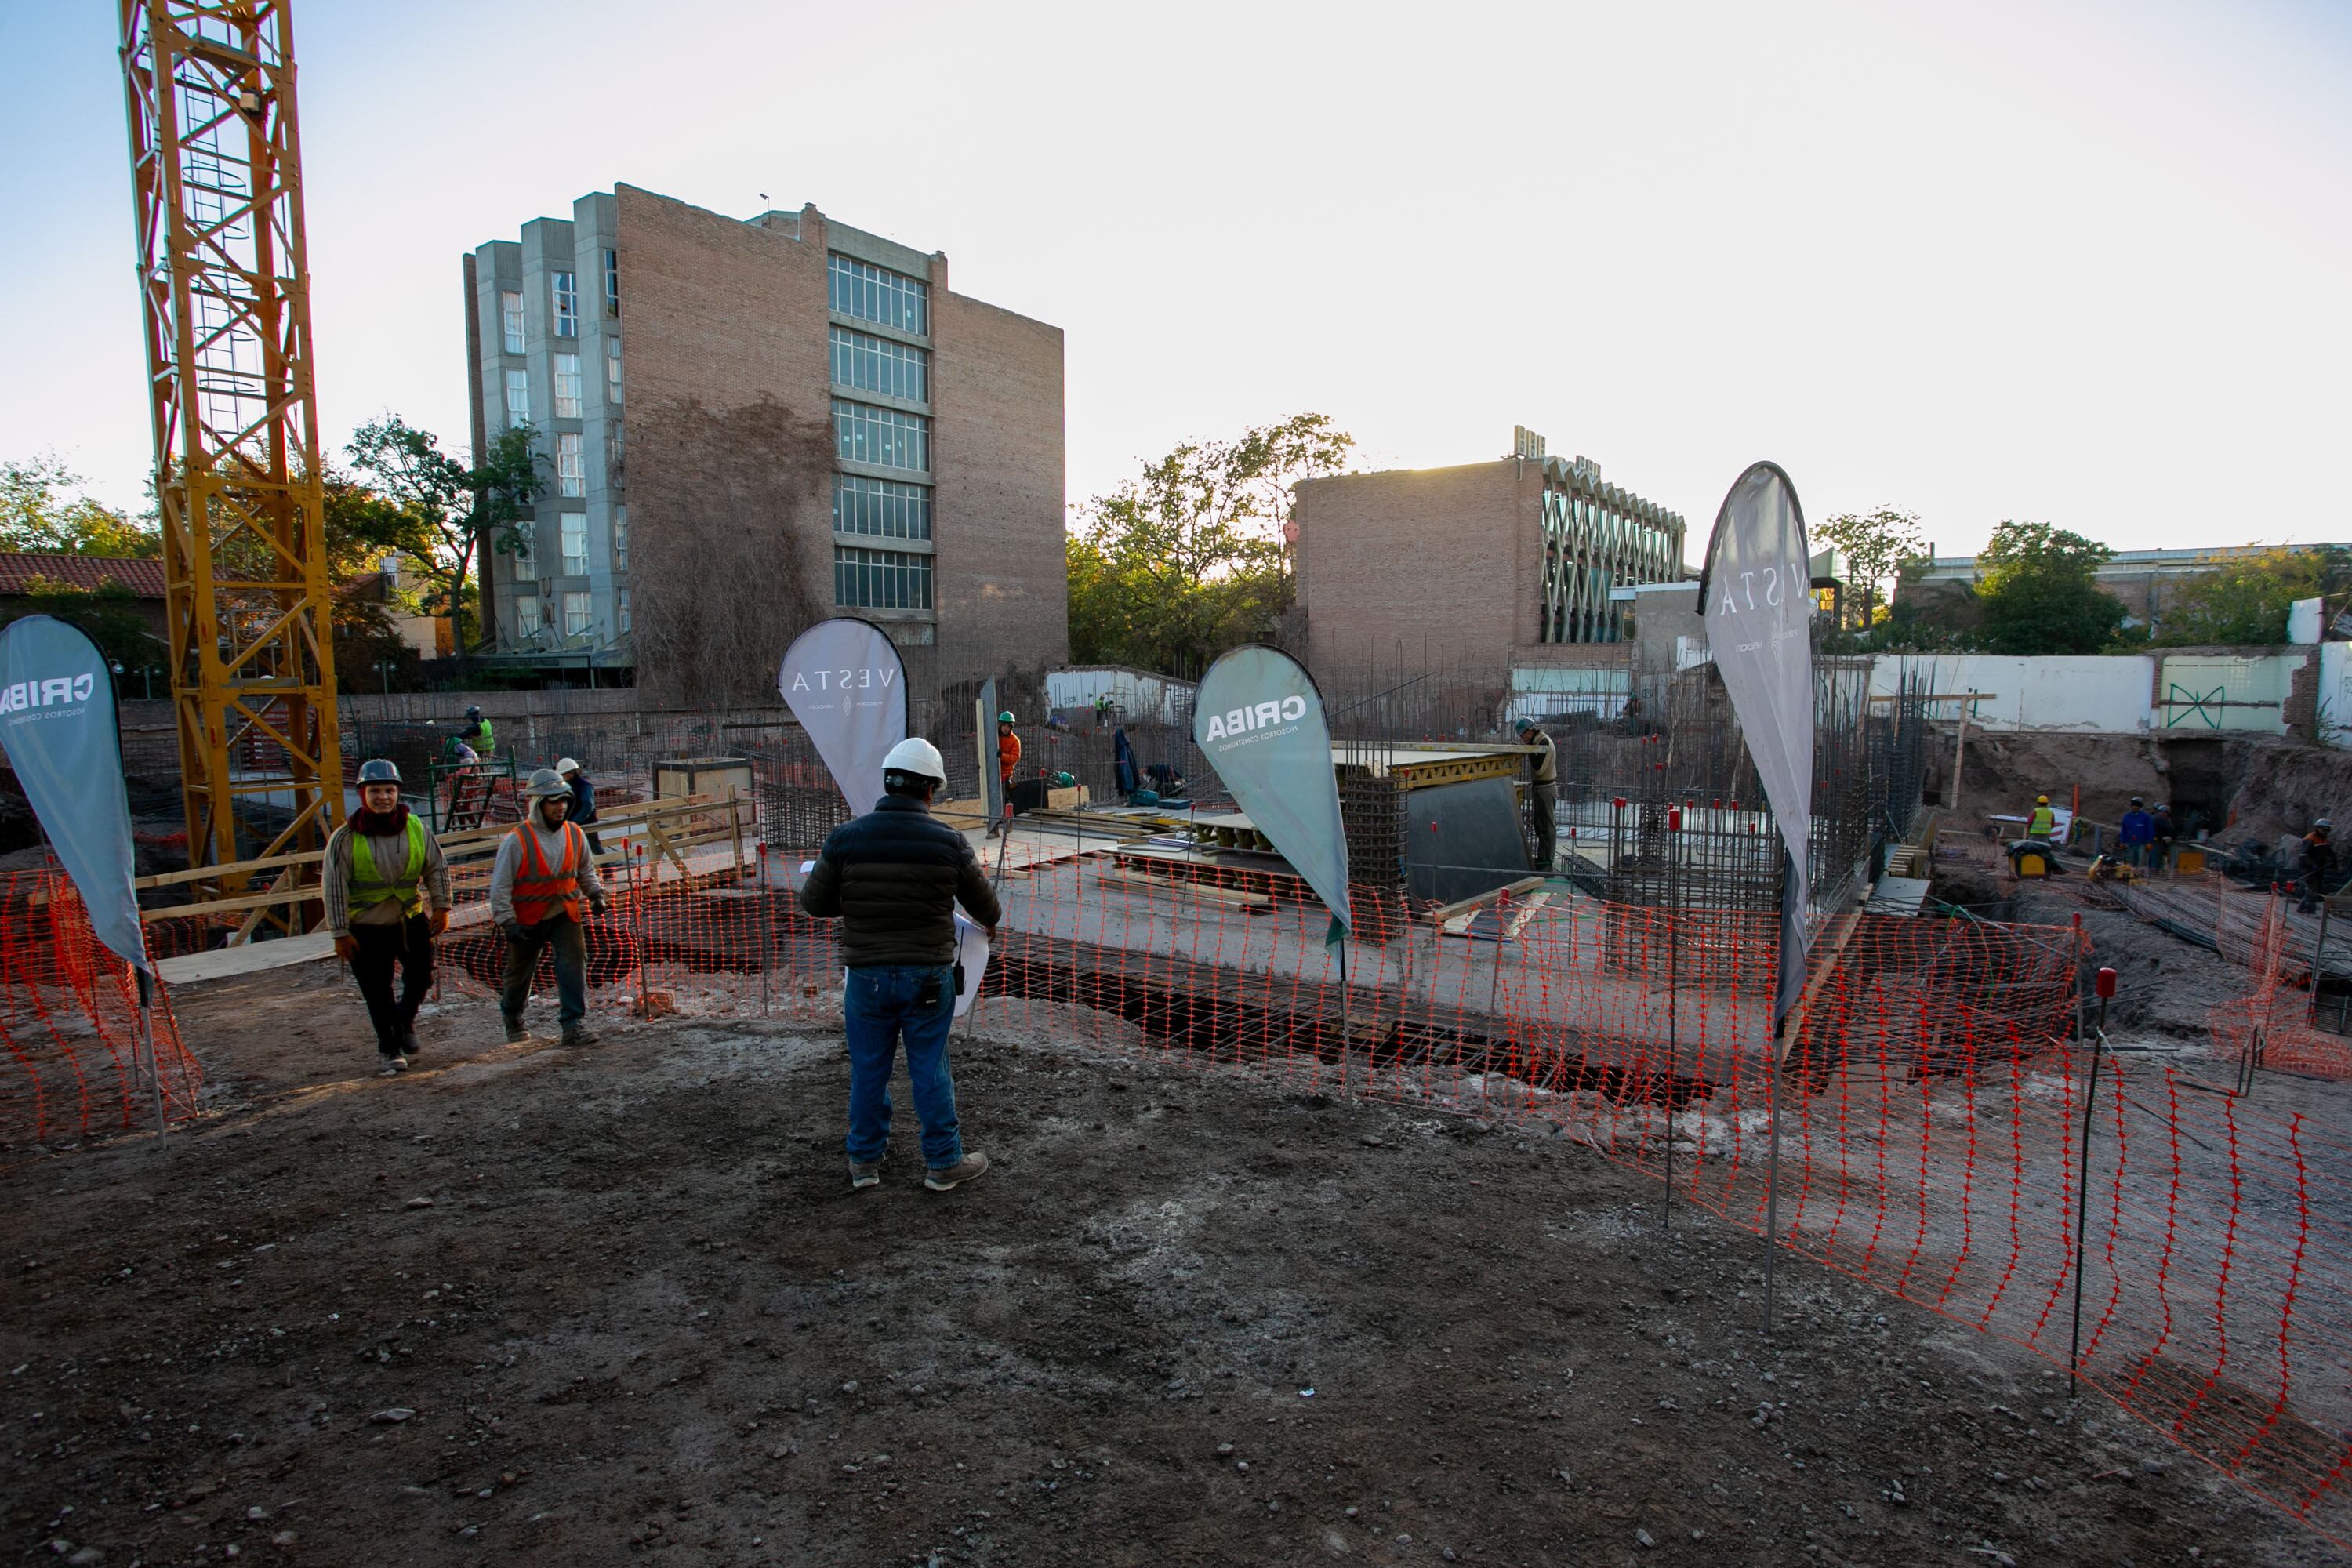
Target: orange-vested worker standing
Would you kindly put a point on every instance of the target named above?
(542, 886)
(1008, 757)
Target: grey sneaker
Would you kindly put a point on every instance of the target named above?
(864, 1175)
(578, 1035)
(408, 1045)
(971, 1168)
(516, 1034)
(386, 1067)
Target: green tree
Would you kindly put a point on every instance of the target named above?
(1197, 554)
(2037, 589)
(453, 509)
(37, 514)
(2245, 601)
(1875, 545)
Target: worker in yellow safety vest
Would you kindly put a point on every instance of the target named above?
(387, 897)
(2044, 822)
(543, 886)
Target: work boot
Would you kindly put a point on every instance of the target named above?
(971, 1168)
(578, 1035)
(516, 1034)
(864, 1175)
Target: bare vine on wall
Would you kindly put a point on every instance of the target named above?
(721, 505)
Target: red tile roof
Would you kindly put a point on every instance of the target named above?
(144, 578)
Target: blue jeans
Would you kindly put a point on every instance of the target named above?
(880, 1005)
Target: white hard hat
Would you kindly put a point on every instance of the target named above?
(567, 765)
(916, 755)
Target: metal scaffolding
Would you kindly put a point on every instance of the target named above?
(223, 283)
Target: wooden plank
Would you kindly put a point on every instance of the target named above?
(1203, 891)
(252, 958)
(1444, 913)
(241, 867)
(243, 901)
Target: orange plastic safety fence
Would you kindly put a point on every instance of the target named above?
(72, 1060)
(1934, 1113)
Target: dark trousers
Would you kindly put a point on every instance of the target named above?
(568, 942)
(1543, 803)
(408, 944)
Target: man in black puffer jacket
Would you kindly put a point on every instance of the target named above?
(894, 877)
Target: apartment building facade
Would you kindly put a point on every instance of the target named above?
(656, 349)
(1518, 554)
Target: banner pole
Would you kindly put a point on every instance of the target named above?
(154, 1065)
(763, 923)
(1674, 998)
(1773, 1091)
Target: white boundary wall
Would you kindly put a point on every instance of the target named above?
(2169, 694)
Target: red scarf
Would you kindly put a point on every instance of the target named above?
(380, 824)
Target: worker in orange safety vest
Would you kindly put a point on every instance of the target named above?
(542, 887)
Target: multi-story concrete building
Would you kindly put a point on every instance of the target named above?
(1495, 557)
(748, 423)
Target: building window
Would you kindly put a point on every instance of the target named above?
(524, 565)
(567, 305)
(567, 386)
(882, 508)
(877, 294)
(865, 433)
(611, 282)
(571, 473)
(620, 539)
(612, 371)
(525, 614)
(511, 319)
(866, 364)
(575, 544)
(616, 451)
(517, 398)
(625, 612)
(880, 579)
(576, 614)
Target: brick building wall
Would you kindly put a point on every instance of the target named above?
(1443, 556)
(1002, 570)
(728, 476)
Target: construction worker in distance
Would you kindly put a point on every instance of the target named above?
(894, 877)
(1008, 757)
(542, 887)
(387, 894)
(583, 801)
(2041, 822)
(1543, 792)
(2315, 874)
(2136, 833)
(2165, 830)
(476, 733)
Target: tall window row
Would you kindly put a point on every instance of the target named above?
(881, 508)
(863, 433)
(880, 579)
(863, 362)
(877, 294)
(1589, 549)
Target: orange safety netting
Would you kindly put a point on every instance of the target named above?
(73, 1060)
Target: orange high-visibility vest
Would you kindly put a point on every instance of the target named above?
(1008, 754)
(538, 889)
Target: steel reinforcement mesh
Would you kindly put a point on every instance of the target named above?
(70, 1026)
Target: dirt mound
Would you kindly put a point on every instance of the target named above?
(2287, 786)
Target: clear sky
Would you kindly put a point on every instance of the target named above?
(2086, 263)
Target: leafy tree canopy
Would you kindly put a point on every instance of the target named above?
(2245, 601)
(2038, 593)
(1195, 556)
(38, 513)
(419, 492)
(1874, 544)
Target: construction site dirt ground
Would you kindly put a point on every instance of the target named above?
(619, 1304)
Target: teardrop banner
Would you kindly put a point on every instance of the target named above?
(1758, 594)
(1259, 719)
(844, 680)
(57, 725)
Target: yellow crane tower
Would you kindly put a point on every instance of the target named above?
(225, 290)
